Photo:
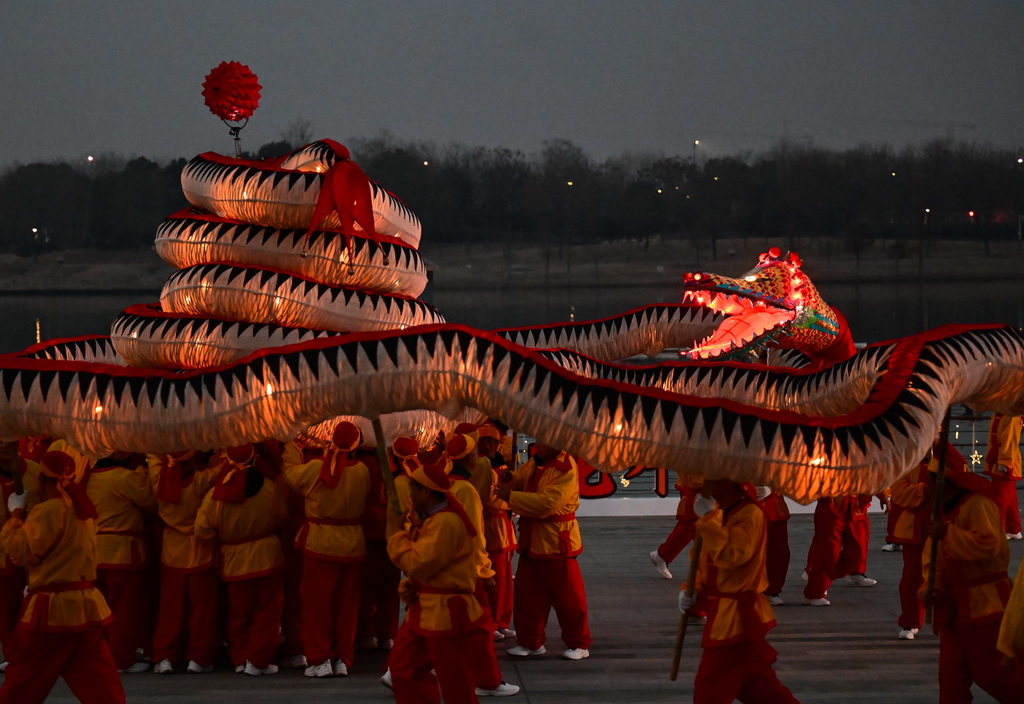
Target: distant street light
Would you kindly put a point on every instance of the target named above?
(695, 143)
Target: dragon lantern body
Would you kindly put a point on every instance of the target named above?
(254, 339)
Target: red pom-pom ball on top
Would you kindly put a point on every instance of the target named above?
(231, 91)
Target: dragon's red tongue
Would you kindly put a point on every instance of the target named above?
(737, 330)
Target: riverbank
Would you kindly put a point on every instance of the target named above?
(611, 265)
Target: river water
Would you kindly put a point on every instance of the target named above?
(875, 312)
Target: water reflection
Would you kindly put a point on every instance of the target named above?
(874, 311)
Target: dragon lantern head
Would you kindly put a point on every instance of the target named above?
(773, 306)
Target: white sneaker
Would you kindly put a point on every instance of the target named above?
(239, 669)
(775, 599)
(519, 651)
(803, 575)
(385, 679)
(324, 669)
(907, 633)
(294, 662)
(387, 645)
(889, 547)
(859, 580)
(251, 669)
(164, 667)
(498, 635)
(137, 667)
(659, 564)
(502, 690)
(507, 632)
(3, 666)
(340, 669)
(817, 602)
(369, 643)
(1015, 536)
(195, 668)
(576, 654)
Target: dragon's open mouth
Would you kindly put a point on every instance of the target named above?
(747, 320)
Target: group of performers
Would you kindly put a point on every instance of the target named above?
(291, 554)
(744, 556)
(297, 554)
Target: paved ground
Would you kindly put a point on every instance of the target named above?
(847, 652)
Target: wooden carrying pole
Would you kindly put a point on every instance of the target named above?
(683, 618)
(940, 482)
(385, 467)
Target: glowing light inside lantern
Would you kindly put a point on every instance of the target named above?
(269, 389)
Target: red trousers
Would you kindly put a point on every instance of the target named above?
(330, 609)
(967, 655)
(911, 608)
(82, 658)
(542, 585)
(291, 613)
(681, 535)
(501, 599)
(777, 555)
(378, 598)
(125, 592)
(838, 548)
(743, 672)
(1006, 498)
(451, 657)
(188, 603)
(12, 589)
(254, 619)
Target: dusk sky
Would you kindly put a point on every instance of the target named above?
(125, 78)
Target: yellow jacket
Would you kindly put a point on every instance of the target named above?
(466, 494)
(1004, 446)
(971, 582)
(58, 551)
(546, 498)
(122, 497)
(440, 559)
(911, 515)
(499, 534)
(731, 574)
(1011, 630)
(249, 546)
(30, 484)
(180, 548)
(333, 529)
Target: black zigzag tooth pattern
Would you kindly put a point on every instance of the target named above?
(647, 330)
(267, 296)
(611, 424)
(281, 199)
(185, 240)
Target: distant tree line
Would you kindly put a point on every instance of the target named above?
(938, 190)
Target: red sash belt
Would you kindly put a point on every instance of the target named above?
(422, 589)
(243, 541)
(335, 521)
(557, 518)
(60, 587)
(130, 533)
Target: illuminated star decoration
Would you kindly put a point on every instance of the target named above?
(976, 457)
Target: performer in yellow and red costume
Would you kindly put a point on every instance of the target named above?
(445, 624)
(124, 499)
(1002, 463)
(731, 579)
(61, 629)
(333, 546)
(545, 492)
(188, 566)
(243, 514)
(972, 588)
(20, 457)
